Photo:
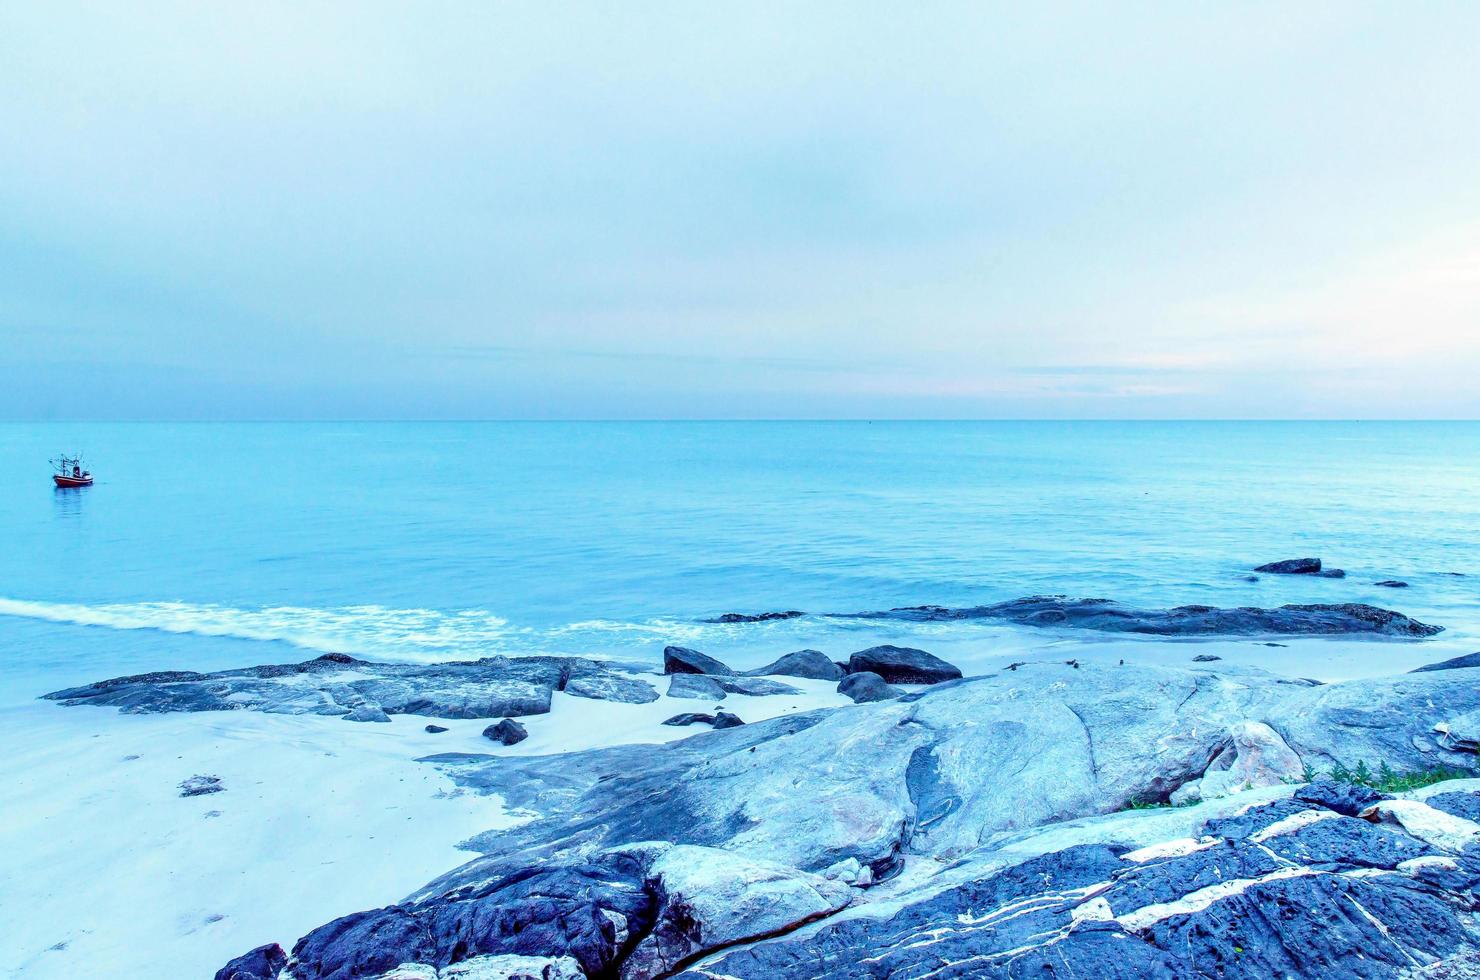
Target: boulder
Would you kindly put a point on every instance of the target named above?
(1347, 799)
(682, 660)
(704, 687)
(434, 729)
(867, 686)
(612, 687)
(690, 718)
(710, 898)
(1253, 756)
(506, 732)
(1454, 663)
(723, 719)
(368, 712)
(262, 963)
(765, 617)
(902, 665)
(811, 664)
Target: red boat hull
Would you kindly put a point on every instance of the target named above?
(72, 481)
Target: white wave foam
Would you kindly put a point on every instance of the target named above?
(366, 629)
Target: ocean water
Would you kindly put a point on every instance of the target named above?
(208, 545)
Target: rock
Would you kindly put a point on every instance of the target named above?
(711, 688)
(506, 732)
(1460, 733)
(262, 963)
(1347, 799)
(902, 665)
(335, 684)
(503, 967)
(1292, 566)
(811, 664)
(867, 686)
(690, 718)
(1253, 756)
(1436, 828)
(1205, 658)
(1321, 619)
(1455, 663)
(612, 687)
(434, 729)
(682, 660)
(368, 712)
(201, 786)
(723, 719)
(765, 617)
(1391, 584)
(709, 898)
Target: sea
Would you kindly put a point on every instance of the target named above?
(211, 545)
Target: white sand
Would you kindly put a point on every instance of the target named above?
(106, 871)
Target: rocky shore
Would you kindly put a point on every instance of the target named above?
(1052, 818)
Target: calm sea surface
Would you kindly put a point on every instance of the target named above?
(210, 545)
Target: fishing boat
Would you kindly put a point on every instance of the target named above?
(70, 472)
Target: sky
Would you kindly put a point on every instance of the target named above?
(760, 210)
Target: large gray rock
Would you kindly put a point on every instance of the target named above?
(1254, 756)
(1300, 566)
(682, 660)
(903, 665)
(335, 684)
(706, 688)
(262, 963)
(1321, 619)
(866, 686)
(811, 664)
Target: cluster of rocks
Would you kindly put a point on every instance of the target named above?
(359, 690)
(971, 828)
(868, 675)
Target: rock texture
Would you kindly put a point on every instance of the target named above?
(1253, 756)
(764, 617)
(903, 665)
(812, 664)
(1321, 619)
(1455, 663)
(262, 963)
(704, 687)
(506, 732)
(1300, 566)
(359, 690)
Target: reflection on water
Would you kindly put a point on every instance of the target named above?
(67, 501)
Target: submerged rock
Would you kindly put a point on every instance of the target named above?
(201, 786)
(1292, 566)
(866, 686)
(764, 617)
(903, 665)
(335, 684)
(1205, 658)
(1455, 663)
(1392, 584)
(811, 664)
(682, 660)
(1321, 619)
(506, 732)
(434, 729)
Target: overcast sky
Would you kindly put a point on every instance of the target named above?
(619, 210)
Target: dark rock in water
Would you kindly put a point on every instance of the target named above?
(1292, 566)
(262, 963)
(335, 684)
(506, 732)
(704, 687)
(201, 786)
(1347, 799)
(1392, 584)
(690, 718)
(1322, 619)
(1454, 663)
(1205, 658)
(765, 617)
(368, 712)
(903, 665)
(812, 664)
(682, 660)
(434, 729)
(723, 719)
(1251, 578)
(866, 686)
